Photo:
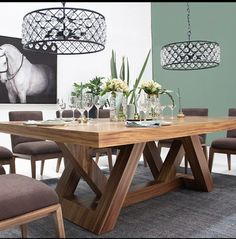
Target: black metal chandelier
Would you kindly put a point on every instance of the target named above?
(190, 55)
(64, 31)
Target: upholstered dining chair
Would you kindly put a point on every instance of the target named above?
(2, 170)
(7, 158)
(103, 113)
(24, 199)
(31, 148)
(188, 112)
(224, 145)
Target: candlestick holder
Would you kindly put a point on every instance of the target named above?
(180, 114)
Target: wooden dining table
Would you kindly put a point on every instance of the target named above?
(98, 212)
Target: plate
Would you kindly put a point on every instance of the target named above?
(139, 119)
(152, 124)
(67, 119)
(166, 123)
(51, 123)
(31, 122)
(45, 122)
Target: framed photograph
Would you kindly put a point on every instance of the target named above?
(26, 77)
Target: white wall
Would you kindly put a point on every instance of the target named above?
(128, 33)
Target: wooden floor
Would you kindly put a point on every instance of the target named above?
(23, 166)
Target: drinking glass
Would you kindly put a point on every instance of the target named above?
(162, 107)
(172, 106)
(88, 102)
(80, 106)
(72, 103)
(98, 102)
(61, 106)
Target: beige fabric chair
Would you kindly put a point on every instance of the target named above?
(26, 199)
(225, 145)
(31, 148)
(188, 112)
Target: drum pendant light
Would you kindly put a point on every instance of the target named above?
(190, 55)
(64, 31)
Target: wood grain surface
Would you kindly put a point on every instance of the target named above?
(101, 133)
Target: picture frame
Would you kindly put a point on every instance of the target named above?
(26, 77)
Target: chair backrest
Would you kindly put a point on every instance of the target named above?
(23, 116)
(103, 113)
(196, 112)
(67, 114)
(231, 133)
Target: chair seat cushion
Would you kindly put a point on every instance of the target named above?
(23, 194)
(224, 143)
(5, 153)
(37, 147)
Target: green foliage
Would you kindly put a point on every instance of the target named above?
(125, 73)
(78, 89)
(113, 65)
(137, 81)
(168, 93)
(95, 85)
(124, 68)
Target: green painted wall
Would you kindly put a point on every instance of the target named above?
(212, 88)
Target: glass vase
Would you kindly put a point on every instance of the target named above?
(118, 106)
(112, 101)
(122, 109)
(154, 106)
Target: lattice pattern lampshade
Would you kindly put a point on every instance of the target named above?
(64, 31)
(190, 55)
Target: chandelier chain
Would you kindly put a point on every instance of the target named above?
(188, 18)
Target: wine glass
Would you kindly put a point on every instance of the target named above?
(88, 102)
(98, 102)
(171, 106)
(72, 103)
(162, 107)
(61, 105)
(80, 106)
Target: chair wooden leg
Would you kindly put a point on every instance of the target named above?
(145, 162)
(33, 167)
(97, 157)
(117, 152)
(12, 165)
(109, 155)
(185, 165)
(58, 219)
(42, 167)
(23, 228)
(58, 164)
(211, 157)
(159, 148)
(229, 161)
(204, 147)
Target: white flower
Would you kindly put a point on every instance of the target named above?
(150, 87)
(116, 85)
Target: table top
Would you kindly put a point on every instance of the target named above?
(101, 133)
